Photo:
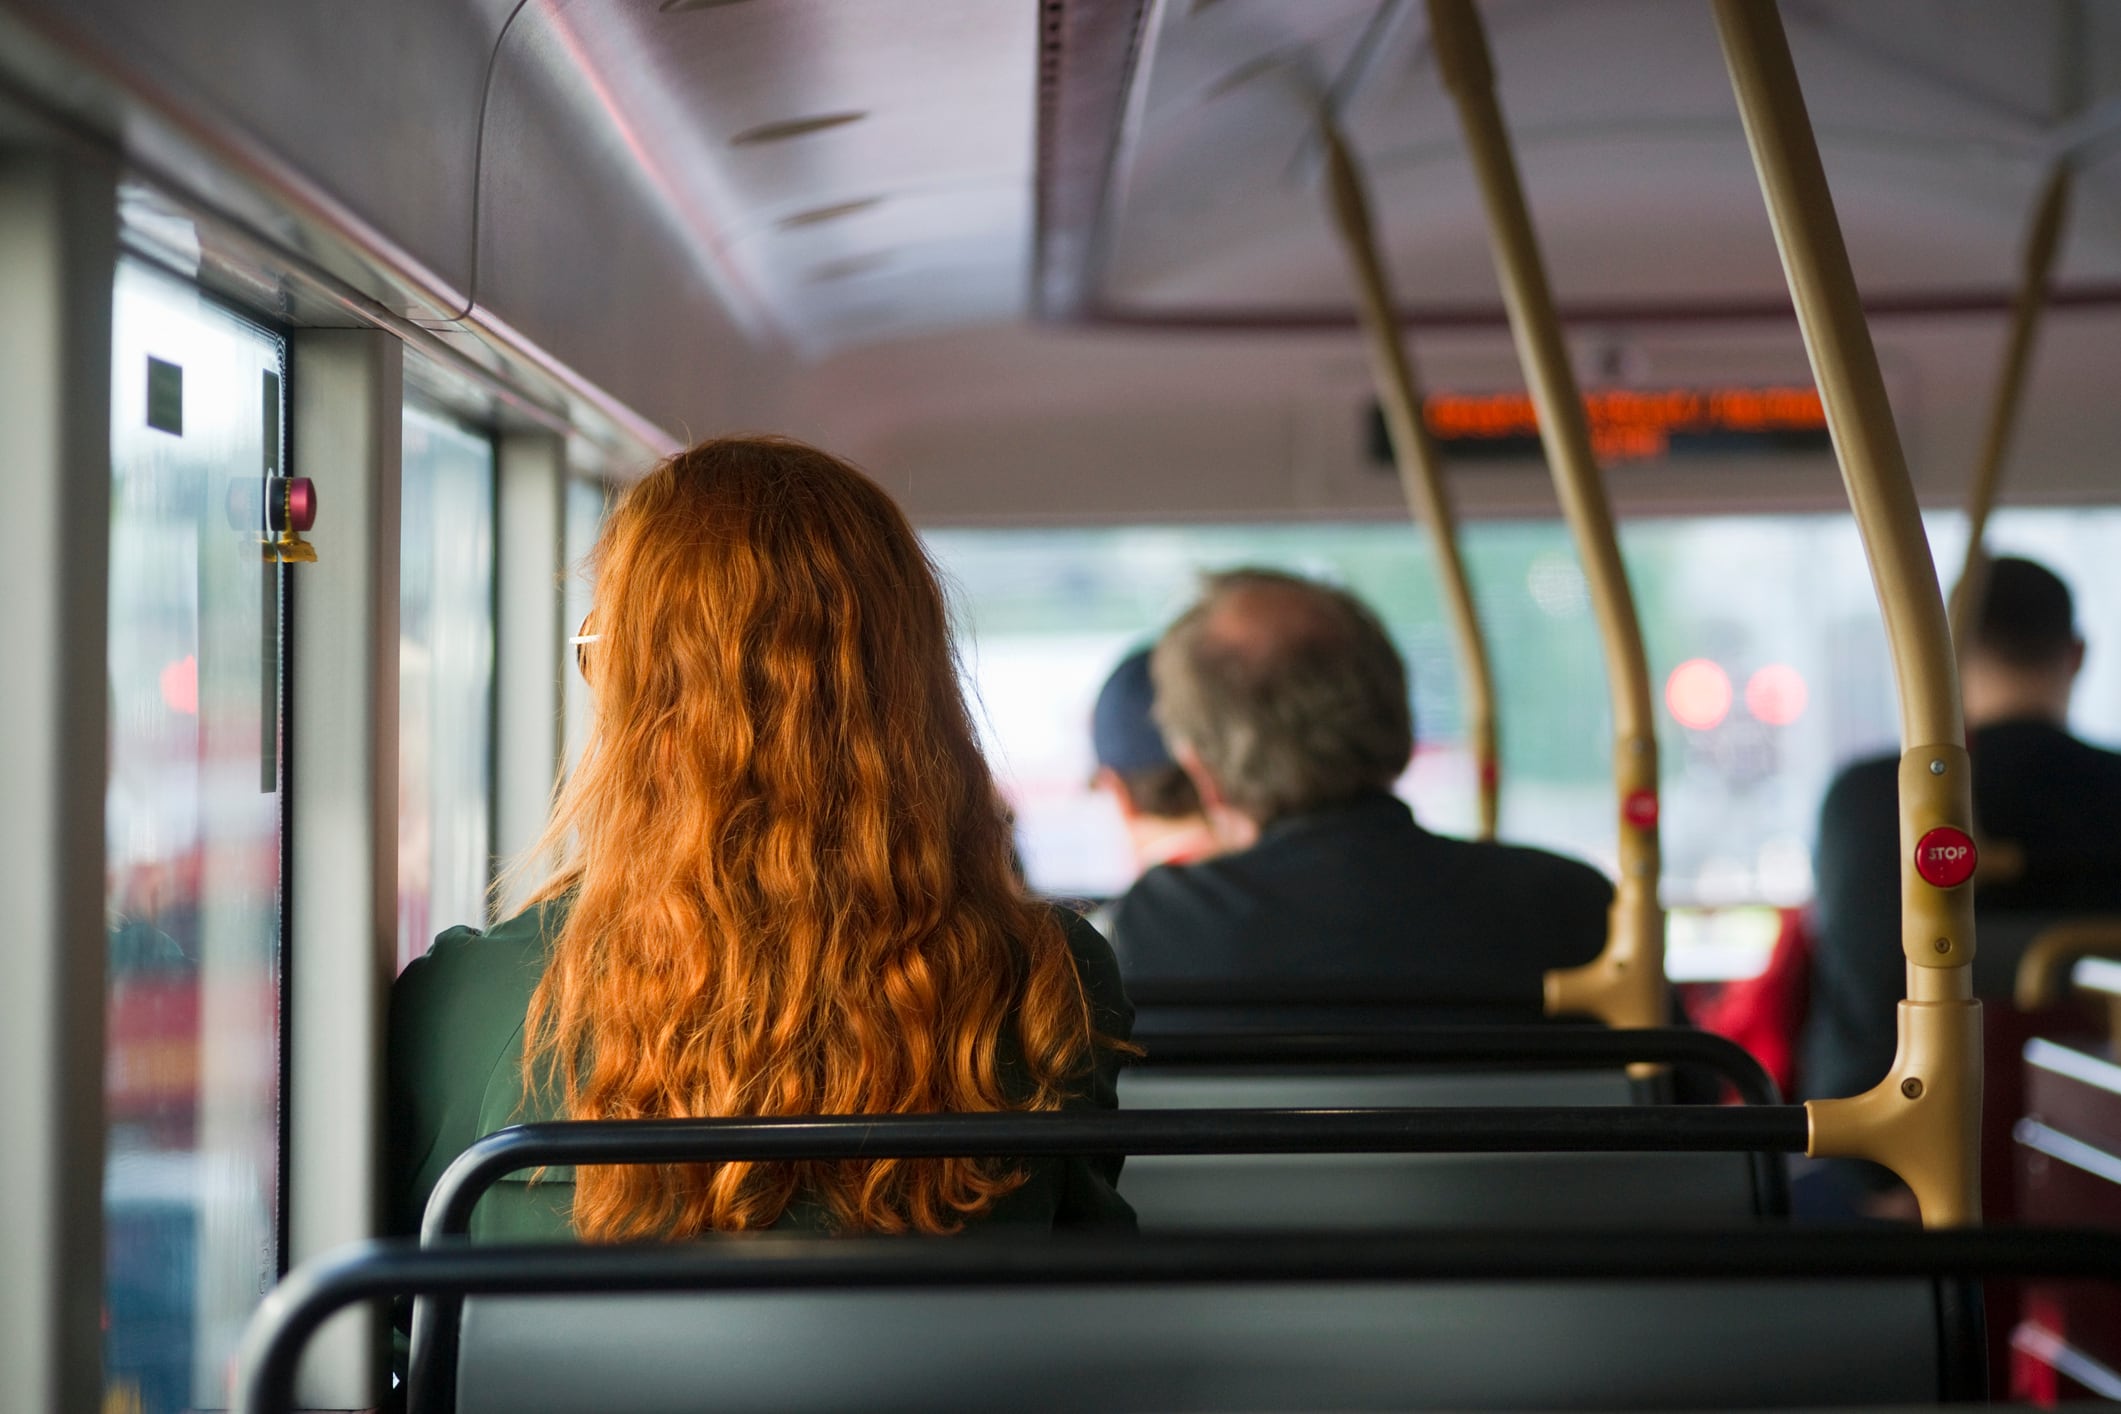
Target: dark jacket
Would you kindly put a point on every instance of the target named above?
(1358, 904)
(2035, 786)
(456, 1055)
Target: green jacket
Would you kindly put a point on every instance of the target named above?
(455, 1062)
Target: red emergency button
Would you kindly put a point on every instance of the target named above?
(291, 503)
(301, 503)
(1945, 857)
(1640, 808)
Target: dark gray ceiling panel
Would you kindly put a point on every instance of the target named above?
(839, 172)
(1937, 120)
(375, 103)
(588, 248)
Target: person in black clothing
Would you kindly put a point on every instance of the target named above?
(1287, 704)
(2046, 805)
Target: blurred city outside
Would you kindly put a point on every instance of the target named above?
(1767, 658)
(584, 519)
(445, 679)
(191, 1183)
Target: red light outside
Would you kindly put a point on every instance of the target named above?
(180, 686)
(1776, 694)
(1698, 694)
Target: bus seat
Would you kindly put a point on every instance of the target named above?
(1325, 1345)
(1175, 1192)
(1151, 1087)
(1156, 1015)
(2003, 937)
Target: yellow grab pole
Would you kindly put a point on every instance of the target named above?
(1414, 453)
(2042, 239)
(1923, 1120)
(1625, 984)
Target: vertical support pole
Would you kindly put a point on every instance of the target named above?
(1414, 453)
(58, 255)
(1923, 1120)
(2042, 238)
(349, 395)
(1624, 985)
(529, 666)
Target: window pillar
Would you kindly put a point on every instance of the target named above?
(530, 668)
(347, 434)
(58, 258)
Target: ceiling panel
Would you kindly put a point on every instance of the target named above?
(925, 173)
(1934, 119)
(309, 91)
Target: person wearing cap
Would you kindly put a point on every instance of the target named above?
(2048, 811)
(1155, 797)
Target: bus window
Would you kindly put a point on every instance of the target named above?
(1766, 652)
(445, 680)
(586, 503)
(191, 1184)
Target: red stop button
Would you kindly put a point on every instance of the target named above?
(1640, 808)
(301, 503)
(1945, 857)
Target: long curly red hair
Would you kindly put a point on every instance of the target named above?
(790, 876)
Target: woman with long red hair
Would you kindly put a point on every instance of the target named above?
(784, 887)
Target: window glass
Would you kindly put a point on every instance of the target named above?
(586, 504)
(445, 680)
(1767, 655)
(191, 1187)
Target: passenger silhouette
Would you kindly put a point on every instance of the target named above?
(1135, 767)
(2046, 805)
(783, 888)
(1287, 705)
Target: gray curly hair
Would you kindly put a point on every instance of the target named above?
(1289, 691)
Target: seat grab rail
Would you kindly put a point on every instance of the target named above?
(313, 1292)
(790, 1139)
(1519, 1047)
(2047, 961)
(1016, 1135)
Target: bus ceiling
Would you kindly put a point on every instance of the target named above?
(1201, 216)
(867, 229)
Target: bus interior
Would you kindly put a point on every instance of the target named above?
(1710, 343)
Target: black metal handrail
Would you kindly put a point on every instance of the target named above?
(1754, 1129)
(1516, 1047)
(294, 1310)
(1546, 1046)
(1445, 1130)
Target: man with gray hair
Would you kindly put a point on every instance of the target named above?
(1287, 704)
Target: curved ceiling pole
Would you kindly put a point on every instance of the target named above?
(1923, 1120)
(1414, 453)
(2042, 238)
(1624, 985)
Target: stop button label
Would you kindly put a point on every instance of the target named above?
(1945, 857)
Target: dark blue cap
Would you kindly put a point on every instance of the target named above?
(1122, 733)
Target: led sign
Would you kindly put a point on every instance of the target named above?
(1628, 424)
